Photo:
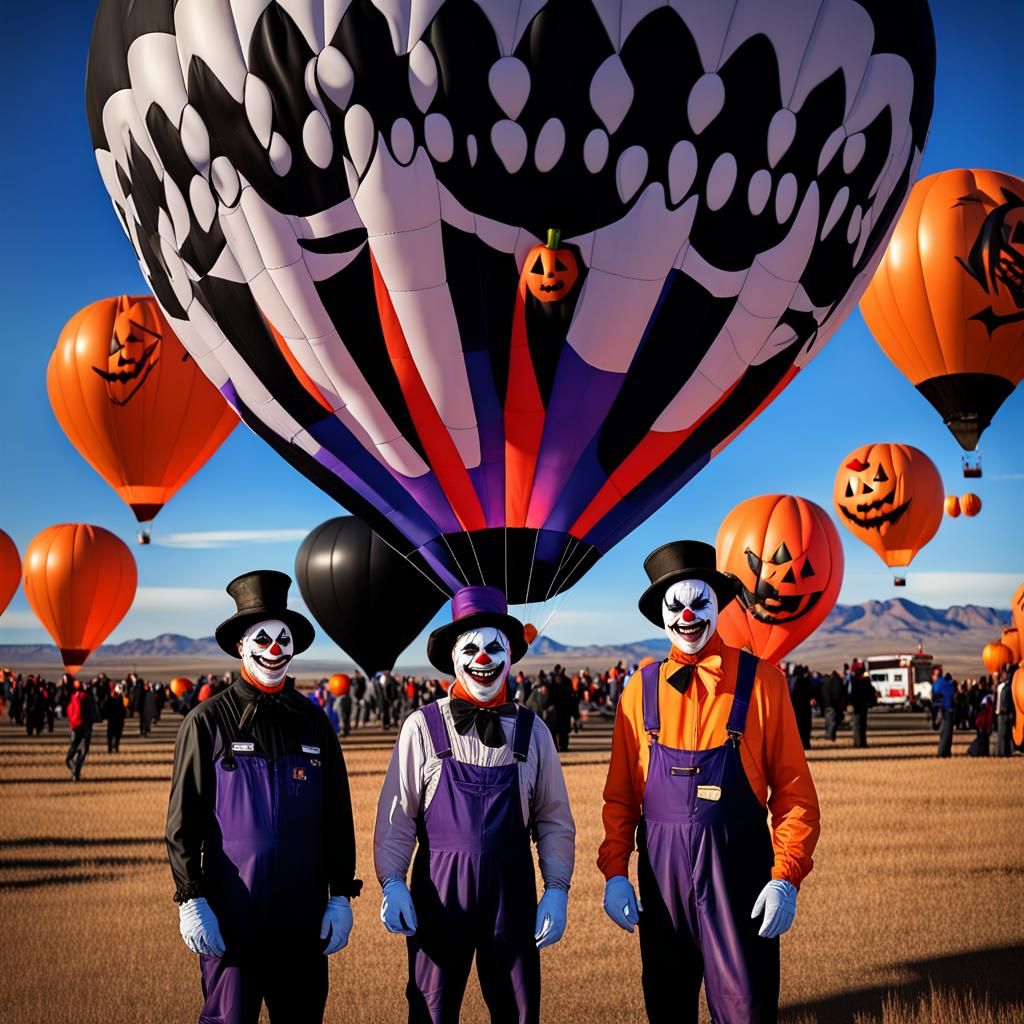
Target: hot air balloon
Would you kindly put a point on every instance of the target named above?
(10, 571)
(370, 600)
(529, 632)
(1018, 702)
(1017, 609)
(180, 686)
(1011, 638)
(80, 581)
(890, 497)
(970, 505)
(952, 506)
(788, 557)
(947, 301)
(205, 692)
(996, 657)
(339, 684)
(134, 403)
(502, 279)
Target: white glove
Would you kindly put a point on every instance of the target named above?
(336, 924)
(551, 916)
(778, 901)
(396, 909)
(620, 902)
(199, 927)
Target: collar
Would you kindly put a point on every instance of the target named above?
(248, 692)
(460, 692)
(707, 663)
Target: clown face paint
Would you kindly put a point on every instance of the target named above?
(266, 648)
(690, 613)
(481, 658)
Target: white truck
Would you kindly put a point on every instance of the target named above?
(902, 679)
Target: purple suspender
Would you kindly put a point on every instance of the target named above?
(649, 678)
(442, 743)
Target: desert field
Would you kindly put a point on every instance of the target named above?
(912, 913)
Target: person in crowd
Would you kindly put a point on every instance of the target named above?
(705, 747)
(944, 698)
(260, 833)
(113, 711)
(82, 714)
(1004, 714)
(833, 695)
(863, 697)
(802, 694)
(984, 720)
(470, 782)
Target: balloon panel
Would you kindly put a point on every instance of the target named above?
(10, 570)
(1017, 609)
(996, 657)
(370, 190)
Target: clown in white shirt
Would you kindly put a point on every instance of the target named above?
(471, 779)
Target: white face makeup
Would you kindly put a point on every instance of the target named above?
(481, 659)
(690, 613)
(266, 648)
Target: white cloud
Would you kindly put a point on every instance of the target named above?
(228, 538)
(181, 599)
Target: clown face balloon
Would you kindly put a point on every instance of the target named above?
(689, 610)
(481, 658)
(266, 649)
(335, 204)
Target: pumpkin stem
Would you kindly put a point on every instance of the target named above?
(554, 237)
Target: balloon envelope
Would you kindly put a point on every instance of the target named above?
(181, 686)
(890, 497)
(339, 684)
(10, 570)
(947, 301)
(996, 657)
(205, 692)
(345, 215)
(370, 600)
(80, 581)
(1011, 638)
(1018, 703)
(1017, 609)
(133, 402)
(970, 505)
(953, 506)
(788, 557)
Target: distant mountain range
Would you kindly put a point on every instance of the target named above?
(956, 634)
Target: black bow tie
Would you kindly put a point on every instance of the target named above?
(680, 679)
(488, 720)
(263, 701)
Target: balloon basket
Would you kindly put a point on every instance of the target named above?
(145, 535)
(899, 581)
(972, 466)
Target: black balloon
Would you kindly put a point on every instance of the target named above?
(369, 599)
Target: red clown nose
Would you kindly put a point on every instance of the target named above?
(688, 616)
(275, 650)
(482, 658)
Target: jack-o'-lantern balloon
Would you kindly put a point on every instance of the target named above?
(1011, 638)
(10, 570)
(134, 403)
(1018, 703)
(890, 496)
(970, 505)
(1017, 609)
(787, 555)
(550, 272)
(996, 657)
(952, 506)
(946, 303)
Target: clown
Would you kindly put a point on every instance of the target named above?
(705, 744)
(259, 826)
(469, 778)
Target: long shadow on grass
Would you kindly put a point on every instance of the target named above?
(67, 863)
(992, 973)
(51, 880)
(108, 780)
(79, 841)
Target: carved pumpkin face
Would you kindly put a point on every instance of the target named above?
(550, 273)
(786, 583)
(890, 496)
(134, 351)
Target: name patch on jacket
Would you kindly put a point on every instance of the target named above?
(709, 792)
(310, 750)
(243, 748)
(299, 774)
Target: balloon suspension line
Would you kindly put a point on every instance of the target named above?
(529, 576)
(425, 575)
(570, 546)
(458, 564)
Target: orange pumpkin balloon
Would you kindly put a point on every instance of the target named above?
(550, 272)
(996, 657)
(205, 692)
(889, 496)
(133, 402)
(788, 557)
(1018, 700)
(946, 303)
(80, 581)
(952, 506)
(970, 504)
(1011, 638)
(10, 570)
(181, 686)
(529, 632)
(1017, 609)
(339, 684)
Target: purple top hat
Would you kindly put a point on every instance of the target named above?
(473, 607)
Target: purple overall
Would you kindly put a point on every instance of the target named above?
(268, 891)
(705, 854)
(473, 888)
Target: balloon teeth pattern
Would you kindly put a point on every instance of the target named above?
(877, 522)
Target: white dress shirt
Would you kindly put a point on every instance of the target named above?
(413, 774)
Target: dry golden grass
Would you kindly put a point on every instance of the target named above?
(911, 916)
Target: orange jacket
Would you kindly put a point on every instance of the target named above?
(770, 750)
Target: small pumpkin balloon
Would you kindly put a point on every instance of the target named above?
(180, 686)
(1011, 638)
(550, 271)
(339, 684)
(787, 554)
(1017, 609)
(205, 692)
(970, 504)
(10, 570)
(529, 632)
(890, 496)
(952, 506)
(996, 657)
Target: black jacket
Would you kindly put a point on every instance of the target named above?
(277, 724)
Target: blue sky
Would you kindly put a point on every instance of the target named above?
(62, 248)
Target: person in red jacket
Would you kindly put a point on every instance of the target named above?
(81, 715)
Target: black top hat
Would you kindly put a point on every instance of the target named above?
(473, 607)
(262, 594)
(683, 560)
